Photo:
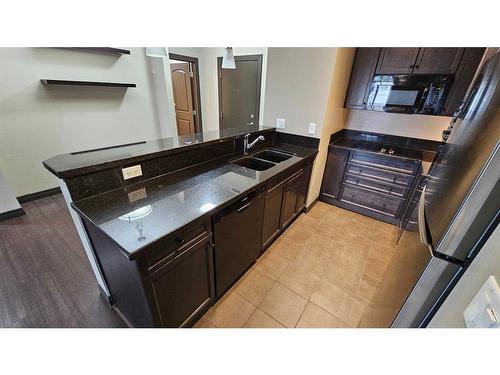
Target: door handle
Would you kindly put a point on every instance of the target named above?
(422, 230)
(243, 208)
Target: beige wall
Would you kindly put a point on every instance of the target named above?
(487, 263)
(37, 122)
(415, 126)
(298, 84)
(335, 115)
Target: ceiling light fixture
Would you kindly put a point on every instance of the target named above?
(228, 59)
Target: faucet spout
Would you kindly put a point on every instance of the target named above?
(247, 146)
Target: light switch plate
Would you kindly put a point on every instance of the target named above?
(280, 123)
(131, 172)
(312, 128)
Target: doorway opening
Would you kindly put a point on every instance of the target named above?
(184, 71)
(239, 92)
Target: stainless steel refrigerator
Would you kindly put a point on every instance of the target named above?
(450, 216)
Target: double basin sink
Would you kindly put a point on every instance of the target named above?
(262, 160)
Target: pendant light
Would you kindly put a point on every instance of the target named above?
(228, 59)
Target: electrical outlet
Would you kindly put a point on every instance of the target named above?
(131, 172)
(280, 123)
(312, 128)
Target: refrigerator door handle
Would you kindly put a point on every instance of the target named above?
(422, 230)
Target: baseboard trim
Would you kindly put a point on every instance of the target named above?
(12, 214)
(310, 207)
(38, 195)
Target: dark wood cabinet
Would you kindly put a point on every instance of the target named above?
(369, 183)
(397, 60)
(438, 60)
(290, 195)
(334, 170)
(182, 287)
(462, 62)
(284, 200)
(463, 78)
(363, 69)
(272, 215)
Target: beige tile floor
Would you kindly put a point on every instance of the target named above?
(321, 273)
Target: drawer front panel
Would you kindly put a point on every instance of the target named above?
(397, 191)
(379, 174)
(166, 249)
(371, 200)
(386, 162)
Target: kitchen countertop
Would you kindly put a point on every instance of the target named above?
(167, 203)
(89, 161)
(375, 147)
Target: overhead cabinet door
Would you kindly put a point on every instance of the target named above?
(438, 60)
(397, 60)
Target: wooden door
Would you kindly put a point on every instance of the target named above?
(272, 215)
(183, 98)
(363, 69)
(184, 287)
(239, 92)
(438, 60)
(397, 60)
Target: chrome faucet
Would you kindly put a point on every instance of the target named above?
(247, 146)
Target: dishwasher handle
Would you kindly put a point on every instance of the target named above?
(243, 208)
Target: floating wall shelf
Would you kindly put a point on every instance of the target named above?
(62, 82)
(105, 50)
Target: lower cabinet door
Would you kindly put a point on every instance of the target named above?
(290, 196)
(182, 287)
(272, 215)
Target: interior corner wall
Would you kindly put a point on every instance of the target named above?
(38, 122)
(297, 88)
(334, 116)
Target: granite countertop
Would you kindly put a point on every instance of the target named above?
(375, 147)
(81, 162)
(167, 203)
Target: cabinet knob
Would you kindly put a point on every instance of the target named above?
(180, 241)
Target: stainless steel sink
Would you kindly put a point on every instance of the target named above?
(272, 155)
(253, 163)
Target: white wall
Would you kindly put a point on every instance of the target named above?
(37, 122)
(486, 263)
(415, 126)
(207, 60)
(297, 87)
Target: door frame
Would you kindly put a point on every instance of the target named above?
(196, 92)
(237, 58)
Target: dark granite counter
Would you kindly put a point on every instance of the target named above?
(91, 161)
(138, 215)
(407, 148)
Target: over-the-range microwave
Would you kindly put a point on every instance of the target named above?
(409, 93)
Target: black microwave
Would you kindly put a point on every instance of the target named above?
(409, 93)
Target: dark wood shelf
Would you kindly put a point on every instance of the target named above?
(62, 82)
(104, 50)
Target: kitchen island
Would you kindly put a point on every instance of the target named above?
(155, 240)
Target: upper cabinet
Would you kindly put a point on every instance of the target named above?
(462, 63)
(397, 60)
(438, 60)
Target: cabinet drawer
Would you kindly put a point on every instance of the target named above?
(379, 174)
(397, 191)
(371, 200)
(386, 162)
(164, 250)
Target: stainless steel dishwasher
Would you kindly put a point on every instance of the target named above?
(237, 233)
